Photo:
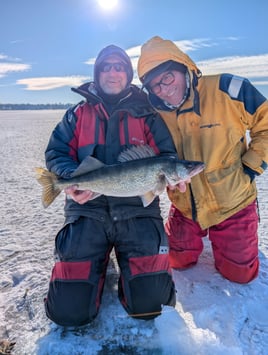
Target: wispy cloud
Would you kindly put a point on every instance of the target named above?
(6, 68)
(49, 83)
(15, 41)
(195, 44)
(260, 82)
(231, 38)
(90, 61)
(134, 51)
(247, 66)
(11, 65)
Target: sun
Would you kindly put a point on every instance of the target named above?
(108, 4)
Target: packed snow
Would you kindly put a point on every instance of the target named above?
(212, 315)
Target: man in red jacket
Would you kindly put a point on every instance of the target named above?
(115, 115)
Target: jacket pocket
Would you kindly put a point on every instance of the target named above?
(230, 185)
(65, 248)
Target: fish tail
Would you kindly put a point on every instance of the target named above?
(47, 180)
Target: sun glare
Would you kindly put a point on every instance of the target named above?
(108, 4)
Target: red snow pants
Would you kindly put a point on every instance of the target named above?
(234, 243)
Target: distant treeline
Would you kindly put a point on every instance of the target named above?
(34, 106)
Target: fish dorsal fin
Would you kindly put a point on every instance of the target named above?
(87, 165)
(136, 152)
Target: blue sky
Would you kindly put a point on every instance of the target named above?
(48, 46)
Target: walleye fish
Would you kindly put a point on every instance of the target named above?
(139, 172)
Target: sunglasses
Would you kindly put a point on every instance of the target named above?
(105, 67)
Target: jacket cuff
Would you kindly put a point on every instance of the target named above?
(254, 162)
(250, 172)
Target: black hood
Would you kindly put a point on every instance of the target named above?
(106, 52)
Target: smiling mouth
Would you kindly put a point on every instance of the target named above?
(113, 82)
(171, 92)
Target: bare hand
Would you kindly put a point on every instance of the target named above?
(79, 196)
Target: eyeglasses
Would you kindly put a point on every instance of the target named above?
(167, 79)
(105, 67)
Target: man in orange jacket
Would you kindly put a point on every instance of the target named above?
(208, 117)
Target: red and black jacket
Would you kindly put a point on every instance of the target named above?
(88, 129)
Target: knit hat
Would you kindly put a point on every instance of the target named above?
(108, 51)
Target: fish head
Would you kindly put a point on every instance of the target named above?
(189, 168)
(184, 170)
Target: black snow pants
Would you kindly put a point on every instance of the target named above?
(83, 248)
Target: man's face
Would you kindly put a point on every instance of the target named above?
(113, 76)
(169, 86)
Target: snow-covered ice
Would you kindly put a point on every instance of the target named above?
(212, 315)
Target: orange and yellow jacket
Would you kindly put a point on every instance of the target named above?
(213, 125)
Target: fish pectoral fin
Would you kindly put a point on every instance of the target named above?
(95, 195)
(160, 186)
(88, 164)
(147, 198)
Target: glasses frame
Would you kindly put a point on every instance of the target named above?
(119, 67)
(156, 88)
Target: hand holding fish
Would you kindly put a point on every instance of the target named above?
(79, 196)
(181, 186)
